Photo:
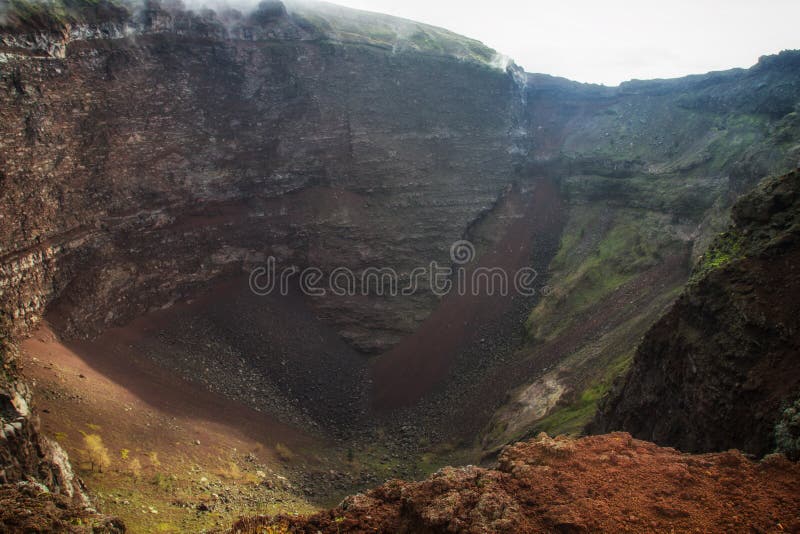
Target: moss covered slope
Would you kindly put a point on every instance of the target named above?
(719, 369)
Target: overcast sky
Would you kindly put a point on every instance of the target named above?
(609, 41)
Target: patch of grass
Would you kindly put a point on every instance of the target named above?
(739, 133)
(724, 249)
(787, 130)
(595, 257)
(571, 419)
(174, 491)
(684, 197)
(441, 455)
(393, 33)
(31, 12)
(53, 14)
(162, 481)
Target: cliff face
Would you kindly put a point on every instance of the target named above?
(142, 160)
(26, 452)
(160, 162)
(717, 371)
(145, 154)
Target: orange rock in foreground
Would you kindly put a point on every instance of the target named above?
(610, 483)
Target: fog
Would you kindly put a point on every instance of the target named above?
(604, 42)
(612, 41)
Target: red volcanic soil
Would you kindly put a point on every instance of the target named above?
(106, 384)
(419, 362)
(609, 483)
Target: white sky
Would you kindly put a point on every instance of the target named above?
(610, 41)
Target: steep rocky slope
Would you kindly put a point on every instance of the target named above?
(648, 171)
(606, 483)
(149, 155)
(171, 161)
(718, 370)
(175, 134)
(24, 449)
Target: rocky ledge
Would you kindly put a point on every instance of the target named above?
(610, 483)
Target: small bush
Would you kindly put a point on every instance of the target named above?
(135, 468)
(787, 431)
(164, 482)
(96, 452)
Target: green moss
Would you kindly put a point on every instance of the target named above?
(686, 197)
(787, 129)
(354, 26)
(51, 14)
(572, 418)
(723, 250)
(26, 11)
(738, 133)
(615, 250)
(787, 431)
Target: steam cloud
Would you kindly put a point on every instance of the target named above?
(396, 32)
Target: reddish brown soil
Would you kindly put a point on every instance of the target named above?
(609, 483)
(135, 402)
(412, 368)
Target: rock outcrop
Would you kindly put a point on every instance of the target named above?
(31, 507)
(609, 483)
(718, 370)
(39, 491)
